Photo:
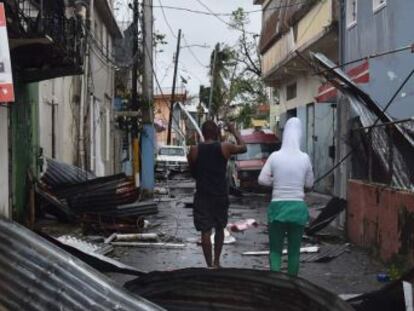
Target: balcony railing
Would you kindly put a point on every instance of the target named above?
(44, 42)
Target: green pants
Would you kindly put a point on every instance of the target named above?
(277, 232)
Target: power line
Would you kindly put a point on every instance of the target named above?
(161, 92)
(372, 56)
(222, 20)
(210, 13)
(175, 36)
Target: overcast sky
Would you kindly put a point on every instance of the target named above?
(197, 29)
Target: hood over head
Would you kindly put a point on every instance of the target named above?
(292, 135)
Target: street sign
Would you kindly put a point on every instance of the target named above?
(6, 78)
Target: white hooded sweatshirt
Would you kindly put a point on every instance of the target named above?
(288, 170)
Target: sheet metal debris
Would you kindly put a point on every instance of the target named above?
(369, 112)
(326, 253)
(233, 289)
(103, 204)
(99, 262)
(334, 207)
(58, 173)
(85, 246)
(37, 275)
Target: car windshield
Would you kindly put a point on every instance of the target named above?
(172, 152)
(257, 152)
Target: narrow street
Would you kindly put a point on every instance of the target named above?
(353, 272)
(291, 123)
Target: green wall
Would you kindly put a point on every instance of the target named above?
(25, 144)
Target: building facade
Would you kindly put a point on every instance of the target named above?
(379, 214)
(290, 32)
(162, 110)
(61, 99)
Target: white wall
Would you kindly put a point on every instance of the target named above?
(4, 164)
(307, 89)
(101, 132)
(62, 93)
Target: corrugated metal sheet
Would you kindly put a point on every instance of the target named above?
(234, 289)
(57, 174)
(36, 275)
(370, 113)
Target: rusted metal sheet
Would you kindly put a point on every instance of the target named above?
(37, 275)
(233, 289)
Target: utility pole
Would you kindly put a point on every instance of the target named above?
(213, 75)
(177, 54)
(148, 135)
(135, 105)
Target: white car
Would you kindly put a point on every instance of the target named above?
(172, 158)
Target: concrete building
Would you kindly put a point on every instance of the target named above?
(289, 33)
(61, 99)
(162, 108)
(379, 214)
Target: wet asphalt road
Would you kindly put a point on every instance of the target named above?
(353, 272)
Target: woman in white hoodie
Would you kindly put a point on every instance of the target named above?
(289, 172)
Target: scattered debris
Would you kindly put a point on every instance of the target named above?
(243, 225)
(326, 253)
(85, 246)
(161, 190)
(228, 238)
(383, 277)
(233, 289)
(188, 202)
(303, 250)
(348, 296)
(137, 236)
(99, 262)
(144, 244)
(37, 275)
(334, 207)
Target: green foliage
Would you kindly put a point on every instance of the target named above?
(237, 74)
(244, 117)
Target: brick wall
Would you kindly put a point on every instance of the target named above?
(381, 219)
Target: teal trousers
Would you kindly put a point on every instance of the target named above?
(277, 233)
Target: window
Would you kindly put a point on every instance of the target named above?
(291, 91)
(351, 12)
(172, 152)
(257, 152)
(378, 4)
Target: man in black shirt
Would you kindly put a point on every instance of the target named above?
(208, 164)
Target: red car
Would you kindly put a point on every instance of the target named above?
(244, 168)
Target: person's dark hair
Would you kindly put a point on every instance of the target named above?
(210, 130)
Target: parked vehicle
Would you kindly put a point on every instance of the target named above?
(244, 169)
(171, 158)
